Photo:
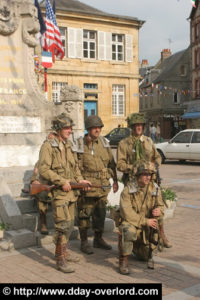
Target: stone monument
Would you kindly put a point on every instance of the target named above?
(23, 109)
(72, 103)
(25, 114)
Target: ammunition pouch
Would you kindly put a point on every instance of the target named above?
(84, 213)
(103, 174)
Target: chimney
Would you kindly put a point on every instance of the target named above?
(144, 63)
(165, 54)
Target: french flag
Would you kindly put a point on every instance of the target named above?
(46, 59)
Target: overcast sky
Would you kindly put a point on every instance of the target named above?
(165, 19)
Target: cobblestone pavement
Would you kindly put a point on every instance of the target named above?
(178, 268)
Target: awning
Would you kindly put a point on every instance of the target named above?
(191, 115)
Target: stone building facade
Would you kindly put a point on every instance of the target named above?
(101, 58)
(192, 115)
(164, 90)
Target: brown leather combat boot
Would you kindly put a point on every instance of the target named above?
(150, 263)
(99, 241)
(69, 257)
(85, 246)
(123, 259)
(60, 257)
(43, 224)
(123, 265)
(166, 243)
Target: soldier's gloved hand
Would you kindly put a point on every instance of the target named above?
(156, 212)
(66, 187)
(115, 187)
(153, 223)
(86, 182)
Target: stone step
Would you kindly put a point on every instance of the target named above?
(31, 221)
(21, 238)
(26, 204)
(24, 238)
(17, 178)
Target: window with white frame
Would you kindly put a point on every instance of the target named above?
(118, 100)
(90, 86)
(56, 88)
(118, 47)
(89, 44)
(63, 33)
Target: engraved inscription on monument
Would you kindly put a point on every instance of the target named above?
(20, 124)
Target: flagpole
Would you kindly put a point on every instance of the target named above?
(45, 83)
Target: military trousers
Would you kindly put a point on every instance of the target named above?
(92, 213)
(63, 214)
(134, 241)
(43, 202)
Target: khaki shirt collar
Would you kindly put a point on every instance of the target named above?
(94, 141)
(142, 138)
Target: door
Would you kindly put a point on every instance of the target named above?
(195, 146)
(179, 146)
(90, 109)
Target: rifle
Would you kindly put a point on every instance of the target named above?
(38, 188)
(159, 181)
(152, 231)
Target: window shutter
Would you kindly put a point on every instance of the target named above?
(101, 45)
(108, 39)
(129, 48)
(79, 43)
(75, 42)
(71, 42)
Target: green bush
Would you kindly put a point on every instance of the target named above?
(4, 226)
(109, 207)
(168, 194)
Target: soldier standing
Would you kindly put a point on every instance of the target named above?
(141, 207)
(58, 166)
(98, 166)
(134, 148)
(42, 202)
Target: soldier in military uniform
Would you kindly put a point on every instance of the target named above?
(141, 208)
(97, 165)
(134, 148)
(42, 202)
(58, 166)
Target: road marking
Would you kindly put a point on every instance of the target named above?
(190, 206)
(195, 271)
(185, 294)
(182, 181)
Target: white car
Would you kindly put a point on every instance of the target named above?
(184, 146)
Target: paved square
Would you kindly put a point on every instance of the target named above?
(178, 268)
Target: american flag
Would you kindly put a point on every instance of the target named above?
(51, 38)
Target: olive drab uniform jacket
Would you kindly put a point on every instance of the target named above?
(35, 175)
(125, 154)
(96, 163)
(136, 205)
(58, 163)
